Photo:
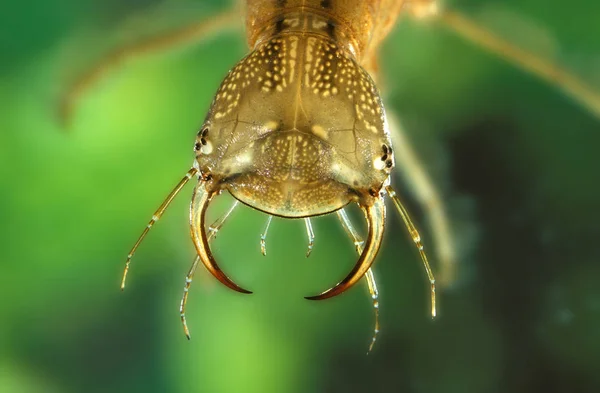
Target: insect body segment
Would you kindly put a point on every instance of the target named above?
(313, 132)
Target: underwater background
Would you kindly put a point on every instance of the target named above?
(517, 162)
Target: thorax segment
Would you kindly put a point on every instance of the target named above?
(351, 24)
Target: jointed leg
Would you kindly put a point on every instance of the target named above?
(349, 228)
(417, 239)
(538, 66)
(263, 236)
(155, 217)
(421, 8)
(213, 230)
(168, 40)
(375, 297)
(186, 289)
(372, 285)
(311, 236)
(429, 197)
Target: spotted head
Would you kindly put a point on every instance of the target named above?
(296, 129)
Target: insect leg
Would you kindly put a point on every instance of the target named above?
(375, 216)
(263, 236)
(422, 8)
(155, 217)
(168, 40)
(200, 201)
(350, 231)
(429, 196)
(375, 296)
(358, 243)
(213, 230)
(414, 234)
(186, 289)
(311, 236)
(538, 66)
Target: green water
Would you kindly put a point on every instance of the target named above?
(515, 159)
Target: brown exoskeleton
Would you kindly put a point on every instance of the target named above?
(298, 129)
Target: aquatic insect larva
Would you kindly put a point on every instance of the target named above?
(297, 129)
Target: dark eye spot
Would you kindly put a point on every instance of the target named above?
(197, 146)
(386, 150)
(389, 163)
(202, 134)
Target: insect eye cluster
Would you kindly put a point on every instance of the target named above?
(202, 134)
(387, 156)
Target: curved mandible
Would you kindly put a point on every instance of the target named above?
(198, 207)
(375, 216)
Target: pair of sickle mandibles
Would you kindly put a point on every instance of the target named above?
(375, 215)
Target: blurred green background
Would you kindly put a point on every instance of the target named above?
(516, 160)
